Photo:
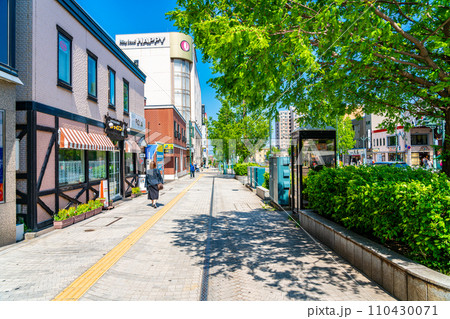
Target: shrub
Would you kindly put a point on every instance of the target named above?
(136, 190)
(266, 180)
(83, 208)
(241, 168)
(409, 206)
(65, 213)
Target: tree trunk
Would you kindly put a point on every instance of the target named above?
(446, 147)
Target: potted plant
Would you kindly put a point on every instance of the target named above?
(64, 218)
(19, 228)
(102, 200)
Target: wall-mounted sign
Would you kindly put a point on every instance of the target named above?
(168, 148)
(115, 129)
(137, 122)
(143, 41)
(185, 46)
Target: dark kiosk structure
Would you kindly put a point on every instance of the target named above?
(312, 149)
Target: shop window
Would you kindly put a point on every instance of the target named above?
(71, 166)
(97, 165)
(391, 140)
(419, 139)
(64, 59)
(92, 76)
(111, 88)
(7, 36)
(126, 94)
(129, 163)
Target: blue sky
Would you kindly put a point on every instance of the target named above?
(146, 16)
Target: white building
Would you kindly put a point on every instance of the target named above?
(286, 124)
(170, 63)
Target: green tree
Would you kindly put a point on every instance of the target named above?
(328, 58)
(237, 133)
(345, 135)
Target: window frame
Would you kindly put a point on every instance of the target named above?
(62, 83)
(125, 82)
(89, 161)
(83, 165)
(9, 66)
(419, 134)
(387, 141)
(111, 105)
(95, 58)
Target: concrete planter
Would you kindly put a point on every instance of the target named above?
(242, 179)
(63, 223)
(403, 278)
(19, 232)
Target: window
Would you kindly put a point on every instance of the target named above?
(71, 166)
(175, 129)
(129, 163)
(7, 33)
(419, 139)
(92, 76)
(64, 59)
(97, 165)
(126, 93)
(384, 142)
(178, 131)
(181, 81)
(112, 88)
(2, 156)
(391, 141)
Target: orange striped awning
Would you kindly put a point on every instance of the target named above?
(102, 142)
(74, 139)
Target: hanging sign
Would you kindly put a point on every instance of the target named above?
(115, 129)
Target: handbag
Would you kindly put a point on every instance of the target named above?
(160, 186)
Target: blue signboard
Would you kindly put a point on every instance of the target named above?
(150, 151)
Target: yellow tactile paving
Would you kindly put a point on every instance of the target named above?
(83, 283)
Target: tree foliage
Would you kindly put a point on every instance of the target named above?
(237, 133)
(327, 58)
(345, 135)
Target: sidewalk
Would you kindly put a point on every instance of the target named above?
(233, 249)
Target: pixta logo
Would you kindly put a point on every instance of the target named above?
(185, 46)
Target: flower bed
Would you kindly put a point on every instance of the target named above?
(67, 217)
(411, 207)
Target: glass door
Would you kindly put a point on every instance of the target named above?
(114, 175)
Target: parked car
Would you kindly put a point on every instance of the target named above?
(396, 164)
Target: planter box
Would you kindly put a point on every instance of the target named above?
(63, 223)
(79, 218)
(97, 210)
(19, 232)
(90, 213)
(133, 195)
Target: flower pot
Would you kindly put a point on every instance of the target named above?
(79, 218)
(63, 223)
(90, 213)
(19, 232)
(98, 210)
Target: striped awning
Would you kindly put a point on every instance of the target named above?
(74, 139)
(102, 142)
(132, 147)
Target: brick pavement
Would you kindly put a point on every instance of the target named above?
(254, 254)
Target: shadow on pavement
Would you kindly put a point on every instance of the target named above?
(259, 245)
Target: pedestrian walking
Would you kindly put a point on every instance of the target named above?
(192, 170)
(153, 183)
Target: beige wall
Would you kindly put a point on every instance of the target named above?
(8, 208)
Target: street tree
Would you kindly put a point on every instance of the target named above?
(328, 58)
(237, 132)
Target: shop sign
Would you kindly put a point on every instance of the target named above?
(137, 122)
(143, 41)
(115, 129)
(168, 148)
(185, 46)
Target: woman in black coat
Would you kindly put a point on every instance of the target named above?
(152, 179)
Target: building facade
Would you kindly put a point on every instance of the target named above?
(170, 63)
(284, 126)
(173, 138)
(80, 113)
(9, 79)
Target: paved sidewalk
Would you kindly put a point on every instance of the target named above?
(232, 250)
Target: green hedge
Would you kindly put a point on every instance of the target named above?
(405, 205)
(266, 180)
(241, 168)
